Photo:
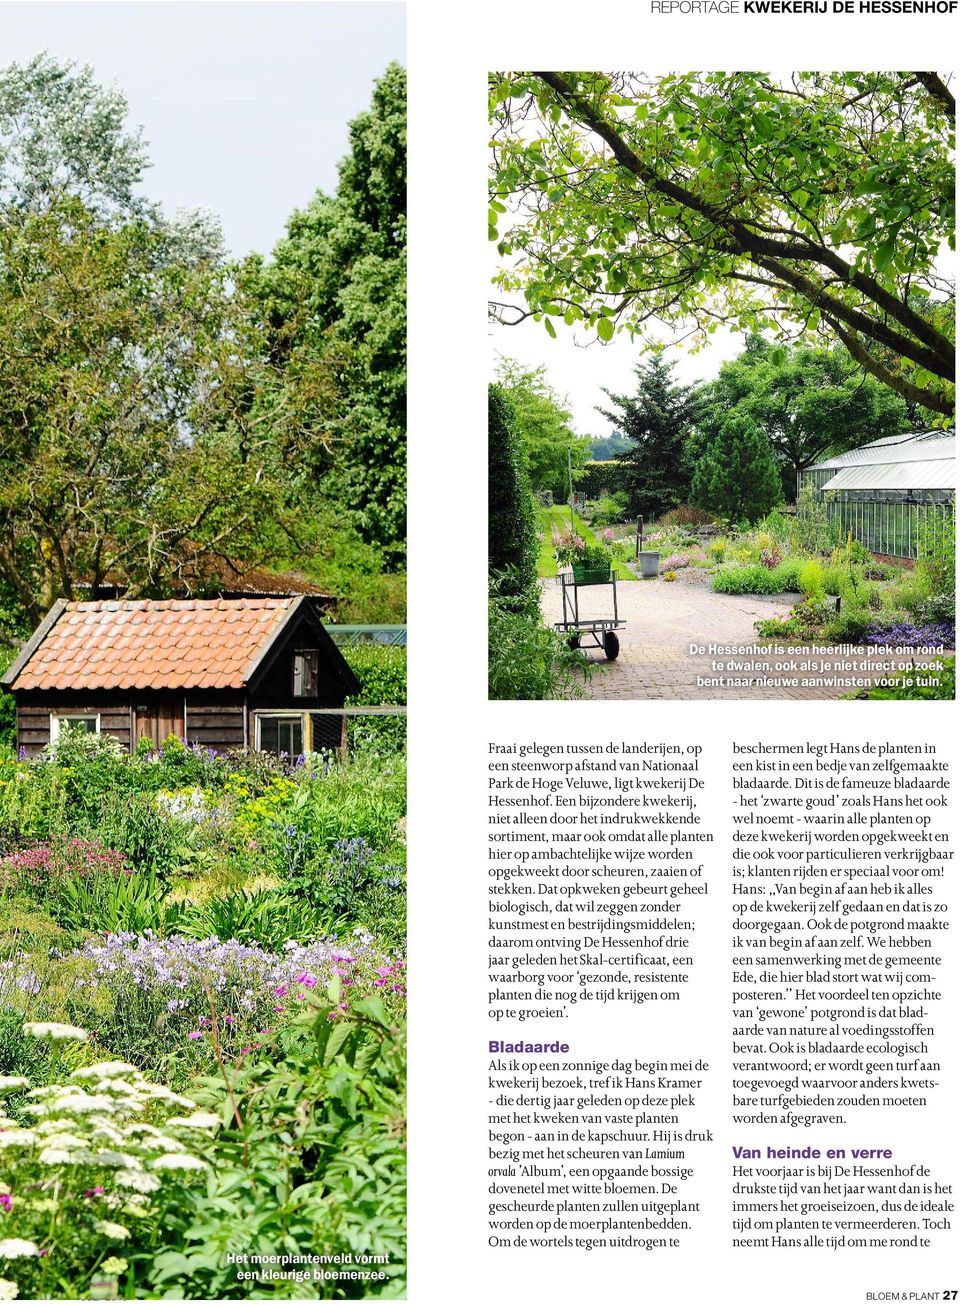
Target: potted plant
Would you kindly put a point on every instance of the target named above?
(592, 566)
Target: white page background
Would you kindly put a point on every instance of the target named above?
(451, 48)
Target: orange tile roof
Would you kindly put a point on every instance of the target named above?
(176, 643)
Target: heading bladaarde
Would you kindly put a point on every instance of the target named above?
(803, 6)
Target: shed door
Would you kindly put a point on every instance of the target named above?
(163, 717)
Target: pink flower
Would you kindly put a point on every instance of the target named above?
(308, 980)
(281, 989)
(197, 1033)
(5, 1202)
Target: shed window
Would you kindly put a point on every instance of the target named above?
(306, 665)
(279, 734)
(89, 723)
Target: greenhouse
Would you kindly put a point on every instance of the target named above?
(893, 495)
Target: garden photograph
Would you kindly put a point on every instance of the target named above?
(721, 405)
(202, 652)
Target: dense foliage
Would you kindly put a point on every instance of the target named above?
(550, 445)
(658, 419)
(201, 965)
(816, 204)
(166, 412)
(737, 474)
(809, 402)
(511, 533)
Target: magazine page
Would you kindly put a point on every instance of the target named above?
(685, 977)
(203, 643)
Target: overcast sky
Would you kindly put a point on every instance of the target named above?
(582, 373)
(244, 105)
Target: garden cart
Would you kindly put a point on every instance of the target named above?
(576, 626)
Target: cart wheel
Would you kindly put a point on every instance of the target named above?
(611, 645)
(573, 642)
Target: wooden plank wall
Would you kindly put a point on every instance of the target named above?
(215, 726)
(33, 723)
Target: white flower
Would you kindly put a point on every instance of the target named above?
(118, 1160)
(113, 1266)
(178, 1162)
(8, 1290)
(199, 1119)
(115, 1231)
(56, 1032)
(82, 1103)
(15, 1248)
(50, 1155)
(17, 1137)
(164, 1143)
(107, 1069)
(136, 1180)
(11, 1082)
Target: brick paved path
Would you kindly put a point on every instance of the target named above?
(664, 619)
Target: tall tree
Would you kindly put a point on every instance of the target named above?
(817, 205)
(141, 419)
(810, 402)
(658, 420)
(736, 475)
(128, 445)
(335, 289)
(545, 425)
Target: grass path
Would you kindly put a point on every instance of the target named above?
(553, 521)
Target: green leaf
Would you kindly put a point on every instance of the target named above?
(551, 331)
(605, 328)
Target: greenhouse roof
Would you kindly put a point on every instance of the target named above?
(899, 450)
(939, 473)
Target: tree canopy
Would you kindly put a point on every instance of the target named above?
(165, 411)
(658, 418)
(809, 402)
(545, 426)
(736, 475)
(817, 206)
(335, 290)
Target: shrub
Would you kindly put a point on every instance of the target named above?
(324, 1114)
(849, 625)
(528, 661)
(810, 578)
(779, 627)
(687, 515)
(811, 530)
(938, 609)
(937, 551)
(512, 535)
(776, 525)
(382, 673)
(941, 685)
(757, 579)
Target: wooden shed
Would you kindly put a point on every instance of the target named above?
(224, 673)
